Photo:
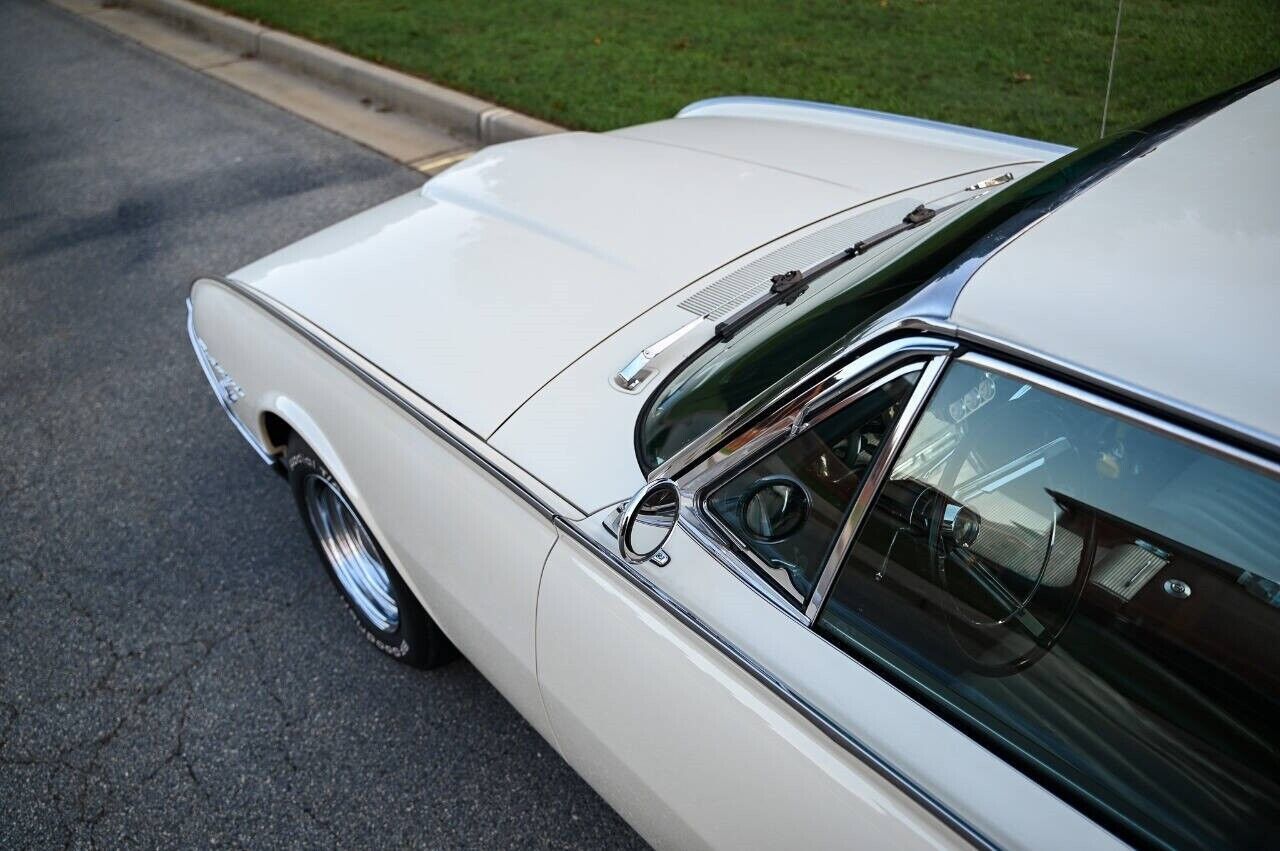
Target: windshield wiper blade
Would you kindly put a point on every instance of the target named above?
(789, 286)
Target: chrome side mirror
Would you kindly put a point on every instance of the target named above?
(648, 519)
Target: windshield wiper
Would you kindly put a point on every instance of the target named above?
(789, 286)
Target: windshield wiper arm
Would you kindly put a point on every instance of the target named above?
(789, 286)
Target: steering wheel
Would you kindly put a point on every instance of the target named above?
(858, 443)
(948, 547)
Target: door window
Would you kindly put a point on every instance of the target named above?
(786, 507)
(1093, 599)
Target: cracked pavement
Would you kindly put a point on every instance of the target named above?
(175, 669)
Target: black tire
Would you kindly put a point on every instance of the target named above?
(414, 639)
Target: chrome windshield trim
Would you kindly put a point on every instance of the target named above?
(514, 485)
(850, 743)
(219, 389)
(937, 300)
(870, 485)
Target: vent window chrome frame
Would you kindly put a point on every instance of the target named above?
(803, 406)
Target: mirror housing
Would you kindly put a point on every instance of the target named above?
(648, 519)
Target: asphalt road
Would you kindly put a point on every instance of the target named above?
(175, 670)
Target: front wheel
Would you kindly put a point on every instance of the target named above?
(377, 598)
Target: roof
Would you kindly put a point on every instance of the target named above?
(1163, 276)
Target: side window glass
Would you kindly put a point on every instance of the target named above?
(1093, 599)
(786, 508)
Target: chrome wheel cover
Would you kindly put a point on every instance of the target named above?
(351, 552)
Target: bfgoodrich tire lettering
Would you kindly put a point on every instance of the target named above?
(376, 597)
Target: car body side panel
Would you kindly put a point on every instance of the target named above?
(470, 548)
(692, 751)
(639, 681)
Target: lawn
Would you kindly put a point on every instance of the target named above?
(1032, 67)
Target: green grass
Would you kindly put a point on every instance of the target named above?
(1032, 67)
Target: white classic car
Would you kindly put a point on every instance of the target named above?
(958, 499)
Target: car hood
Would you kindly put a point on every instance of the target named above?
(498, 274)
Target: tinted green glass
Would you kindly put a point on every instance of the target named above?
(1093, 599)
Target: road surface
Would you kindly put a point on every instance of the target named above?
(175, 669)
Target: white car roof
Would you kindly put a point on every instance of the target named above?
(1162, 277)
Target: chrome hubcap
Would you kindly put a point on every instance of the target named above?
(350, 550)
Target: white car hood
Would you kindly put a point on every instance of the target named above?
(479, 289)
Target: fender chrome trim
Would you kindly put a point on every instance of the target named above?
(252, 295)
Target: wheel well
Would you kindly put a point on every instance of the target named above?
(278, 431)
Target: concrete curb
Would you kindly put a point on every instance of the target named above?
(467, 117)
(223, 29)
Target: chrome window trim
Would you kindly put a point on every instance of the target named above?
(800, 409)
(634, 575)
(773, 436)
(701, 526)
(837, 397)
(811, 713)
(202, 357)
(870, 486)
(875, 477)
(1123, 411)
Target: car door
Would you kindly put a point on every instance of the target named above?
(693, 692)
(1090, 592)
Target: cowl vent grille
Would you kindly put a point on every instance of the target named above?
(720, 298)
